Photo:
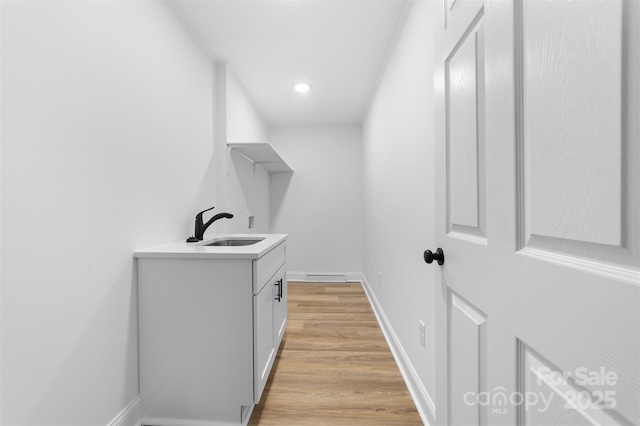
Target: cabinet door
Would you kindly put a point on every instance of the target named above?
(280, 307)
(263, 338)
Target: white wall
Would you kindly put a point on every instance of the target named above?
(244, 121)
(244, 187)
(399, 189)
(107, 146)
(320, 204)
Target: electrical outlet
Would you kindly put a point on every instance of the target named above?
(380, 279)
(421, 333)
(251, 222)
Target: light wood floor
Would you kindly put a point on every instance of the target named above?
(334, 366)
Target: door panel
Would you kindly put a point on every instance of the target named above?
(577, 190)
(467, 331)
(554, 401)
(458, 15)
(538, 149)
(465, 134)
(571, 105)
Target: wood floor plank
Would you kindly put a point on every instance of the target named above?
(334, 366)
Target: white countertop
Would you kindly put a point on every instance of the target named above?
(199, 250)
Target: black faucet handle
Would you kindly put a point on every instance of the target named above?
(204, 211)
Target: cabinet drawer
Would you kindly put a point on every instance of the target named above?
(265, 267)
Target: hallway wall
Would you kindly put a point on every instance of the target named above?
(320, 204)
(398, 185)
(107, 146)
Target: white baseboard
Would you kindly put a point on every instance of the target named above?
(354, 277)
(131, 415)
(163, 421)
(424, 403)
(151, 421)
(296, 276)
(324, 277)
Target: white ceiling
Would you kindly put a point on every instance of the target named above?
(337, 46)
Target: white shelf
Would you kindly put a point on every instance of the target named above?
(263, 154)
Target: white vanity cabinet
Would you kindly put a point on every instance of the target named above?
(269, 314)
(210, 327)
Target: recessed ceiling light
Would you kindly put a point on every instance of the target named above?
(301, 87)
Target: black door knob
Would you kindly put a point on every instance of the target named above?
(438, 256)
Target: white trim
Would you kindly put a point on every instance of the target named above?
(295, 276)
(619, 273)
(421, 398)
(354, 277)
(325, 278)
(331, 277)
(131, 415)
(157, 421)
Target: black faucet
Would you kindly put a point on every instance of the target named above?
(200, 227)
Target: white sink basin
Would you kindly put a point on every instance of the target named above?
(233, 242)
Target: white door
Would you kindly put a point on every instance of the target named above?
(279, 307)
(537, 187)
(263, 338)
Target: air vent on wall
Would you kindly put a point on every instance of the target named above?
(326, 278)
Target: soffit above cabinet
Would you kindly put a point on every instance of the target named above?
(262, 154)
